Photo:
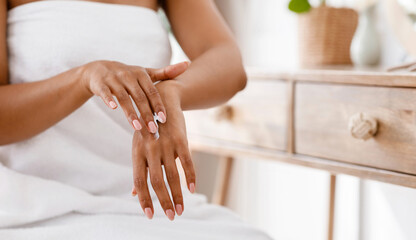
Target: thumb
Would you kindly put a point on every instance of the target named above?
(168, 72)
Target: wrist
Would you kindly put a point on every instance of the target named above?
(171, 93)
(78, 74)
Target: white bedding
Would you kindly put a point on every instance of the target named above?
(73, 181)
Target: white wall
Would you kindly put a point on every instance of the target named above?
(290, 202)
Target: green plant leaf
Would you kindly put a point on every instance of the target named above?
(299, 6)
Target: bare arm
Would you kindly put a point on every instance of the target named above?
(30, 108)
(216, 72)
(26, 109)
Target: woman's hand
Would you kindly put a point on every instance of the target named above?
(108, 78)
(150, 153)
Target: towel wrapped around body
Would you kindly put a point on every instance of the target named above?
(73, 180)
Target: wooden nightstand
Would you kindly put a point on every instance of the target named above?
(360, 123)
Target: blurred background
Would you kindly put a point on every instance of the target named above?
(290, 202)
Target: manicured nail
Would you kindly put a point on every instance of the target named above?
(152, 127)
(170, 214)
(179, 209)
(188, 63)
(148, 213)
(192, 187)
(133, 192)
(137, 124)
(161, 117)
(112, 104)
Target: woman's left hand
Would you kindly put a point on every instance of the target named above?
(150, 153)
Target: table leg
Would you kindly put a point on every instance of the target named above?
(223, 180)
(331, 210)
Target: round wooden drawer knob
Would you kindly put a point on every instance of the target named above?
(362, 126)
(225, 112)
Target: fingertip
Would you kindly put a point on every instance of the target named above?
(137, 125)
(152, 127)
(179, 209)
(133, 192)
(192, 187)
(148, 212)
(177, 69)
(112, 104)
(161, 117)
(181, 67)
(170, 214)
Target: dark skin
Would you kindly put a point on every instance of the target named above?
(215, 75)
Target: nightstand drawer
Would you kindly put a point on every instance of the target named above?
(331, 122)
(256, 116)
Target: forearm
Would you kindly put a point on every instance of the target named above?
(212, 78)
(29, 108)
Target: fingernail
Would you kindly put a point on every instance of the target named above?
(148, 213)
(152, 127)
(179, 209)
(137, 124)
(112, 104)
(161, 117)
(192, 187)
(170, 214)
(133, 192)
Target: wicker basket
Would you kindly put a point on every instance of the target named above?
(325, 36)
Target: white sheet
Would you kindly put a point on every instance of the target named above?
(73, 181)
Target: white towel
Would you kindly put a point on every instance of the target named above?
(73, 181)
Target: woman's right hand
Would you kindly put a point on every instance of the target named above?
(108, 78)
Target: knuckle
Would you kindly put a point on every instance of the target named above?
(157, 182)
(102, 89)
(152, 92)
(122, 96)
(111, 62)
(109, 77)
(138, 69)
(152, 147)
(135, 89)
(144, 202)
(139, 182)
(171, 175)
(141, 74)
(187, 161)
(99, 64)
(151, 74)
(139, 96)
(95, 83)
(158, 106)
(124, 74)
(165, 143)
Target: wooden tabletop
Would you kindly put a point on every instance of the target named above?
(339, 75)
